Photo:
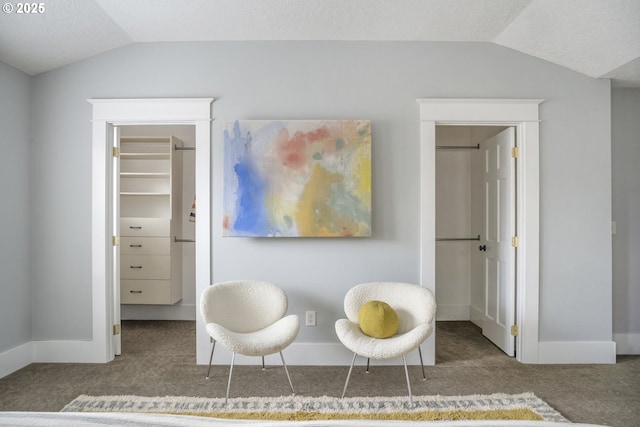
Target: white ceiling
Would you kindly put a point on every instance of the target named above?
(599, 38)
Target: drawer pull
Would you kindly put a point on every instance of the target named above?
(135, 266)
(135, 246)
(135, 292)
(135, 228)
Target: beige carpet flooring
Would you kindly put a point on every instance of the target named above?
(159, 359)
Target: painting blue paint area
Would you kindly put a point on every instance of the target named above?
(251, 213)
(247, 188)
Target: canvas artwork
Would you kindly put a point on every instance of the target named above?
(297, 178)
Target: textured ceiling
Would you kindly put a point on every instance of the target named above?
(599, 38)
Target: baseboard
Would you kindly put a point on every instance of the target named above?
(452, 312)
(582, 352)
(15, 358)
(627, 343)
(476, 316)
(48, 352)
(64, 352)
(327, 354)
(158, 312)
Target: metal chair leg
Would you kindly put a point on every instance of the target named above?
(233, 358)
(287, 372)
(367, 371)
(263, 368)
(406, 372)
(348, 376)
(424, 378)
(213, 347)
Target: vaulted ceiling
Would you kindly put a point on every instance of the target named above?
(599, 38)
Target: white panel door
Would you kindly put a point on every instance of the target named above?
(499, 228)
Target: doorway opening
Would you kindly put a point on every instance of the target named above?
(154, 277)
(523, 116)
(108, 115)
(475, 220)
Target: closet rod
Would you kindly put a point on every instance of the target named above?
(175, 239)
(458, 147)
(175, 147)
(443, 239)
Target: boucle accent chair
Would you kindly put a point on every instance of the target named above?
(248, 317)
(416, 309)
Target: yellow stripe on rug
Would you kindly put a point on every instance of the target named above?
(506, 414)
(498, 406)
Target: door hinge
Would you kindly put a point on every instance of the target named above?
(116, 240)
(514, 330)
(515, 241)
(515, 152)
(116, 151)
(116, 329)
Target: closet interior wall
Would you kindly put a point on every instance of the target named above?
(186, 308)
(459, 219)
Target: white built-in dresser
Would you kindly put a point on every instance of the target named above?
(150, 219)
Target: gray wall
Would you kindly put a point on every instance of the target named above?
(625, 108)
(346, 80)
(15, 212)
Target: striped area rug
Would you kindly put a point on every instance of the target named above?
(525, 406)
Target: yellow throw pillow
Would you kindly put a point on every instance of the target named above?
(377, 319)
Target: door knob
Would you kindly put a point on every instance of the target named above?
(483, 248)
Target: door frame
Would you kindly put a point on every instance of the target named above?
(108, 113)
(523, 114)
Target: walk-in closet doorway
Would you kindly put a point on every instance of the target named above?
(521, 115)
(107, 116)
(155, 213)
(475, 223)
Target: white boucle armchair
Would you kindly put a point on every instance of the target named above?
(248, 317)
(416, 309)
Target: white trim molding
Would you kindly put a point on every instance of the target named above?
(523, 114)
(64, 351)
(447, 312)
(15, 358)
(479, 111)
(577, 352)
(627, 343)
(152, 110)
(108, 113)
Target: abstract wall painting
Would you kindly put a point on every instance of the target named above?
(297, 178)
